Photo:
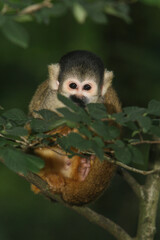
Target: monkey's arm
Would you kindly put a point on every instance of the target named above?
(38, 98)
(112, 102)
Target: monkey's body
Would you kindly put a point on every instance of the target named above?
(44, 98)
(78, 180)
(68, 184)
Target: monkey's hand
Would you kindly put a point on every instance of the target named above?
(84, 167)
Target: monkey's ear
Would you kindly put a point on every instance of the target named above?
(108, 76)
(53, 71)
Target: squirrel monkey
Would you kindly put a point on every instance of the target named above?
(80, 76)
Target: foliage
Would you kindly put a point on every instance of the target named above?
(14, 13)
(20, 134)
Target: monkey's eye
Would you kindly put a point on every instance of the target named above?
(73, 85)
(87, 87)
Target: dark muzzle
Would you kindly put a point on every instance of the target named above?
(81, 102)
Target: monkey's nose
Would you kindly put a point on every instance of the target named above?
(79, 101)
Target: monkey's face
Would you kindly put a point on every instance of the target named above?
(81, 92)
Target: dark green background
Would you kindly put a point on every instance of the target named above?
(133, 53)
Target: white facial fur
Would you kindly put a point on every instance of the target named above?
(87, 88)
(79, 91)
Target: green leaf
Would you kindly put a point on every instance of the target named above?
(9, 125)
(17, 131)
(69, 103)
(133, 112)
(135, 132)
(131, 125)
(120, 143)
(97, 149)
(58, 9)
(23, 18)
(15, 33)
(40, 125)
(97, 110)
(83, 116)
(95, 11)
(68, 115)
(119, 118)
(84, 130)
(98, 141)
(121, 151)
(13, 159)
(145, 123)
(34, 163)
(16, 3)
(104, 130)
(20, 162)
(15, 115)
(79, 13)
(155, 130)
(123, 154)
(71, 124)
(7, 142)
(74, 140)
(120, 10)
(3, 142)
(98, 17)
(44, 15)
(48, 115)
(154, 107)
(137, 156)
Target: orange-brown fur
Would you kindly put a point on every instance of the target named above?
(67, 183)
(64, 179)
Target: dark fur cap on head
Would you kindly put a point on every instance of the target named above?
(82, 64)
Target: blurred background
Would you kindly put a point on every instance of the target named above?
(132, 51)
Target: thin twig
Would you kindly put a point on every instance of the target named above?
(145, 142)
(36, 7)
(24, 143)
(111, 160)
(25, 140)
(130, 168)
(53, 150)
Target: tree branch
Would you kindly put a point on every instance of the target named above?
(136, 187)
(103, 222)
(36, 7)
(148, 205)
(92, 216)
